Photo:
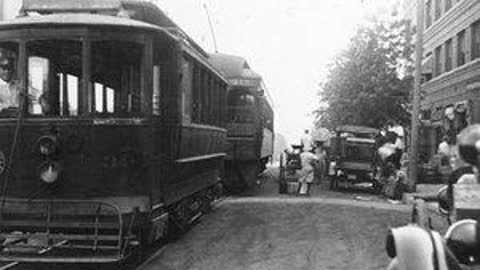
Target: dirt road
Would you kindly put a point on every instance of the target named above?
(286, 232)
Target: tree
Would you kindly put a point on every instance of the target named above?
(369, 82)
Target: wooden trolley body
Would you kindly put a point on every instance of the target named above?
(119, 134)
(249, 123)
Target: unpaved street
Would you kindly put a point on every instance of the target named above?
(287, 232)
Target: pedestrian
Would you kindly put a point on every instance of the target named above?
(306, 141)
(399, 143)
(444, 151)
(443, 147)
(320, 165)
(305, 174)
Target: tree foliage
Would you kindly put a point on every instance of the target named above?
(369, 82)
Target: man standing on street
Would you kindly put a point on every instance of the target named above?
(319, 172)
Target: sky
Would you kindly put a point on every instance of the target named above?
(289, 42)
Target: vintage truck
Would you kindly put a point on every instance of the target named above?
(353, 156)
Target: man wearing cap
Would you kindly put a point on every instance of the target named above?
(9, 94)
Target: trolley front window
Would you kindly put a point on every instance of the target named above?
(241, 106)
(240, 98)
(116, 74)
(54, 72)
(9, 83)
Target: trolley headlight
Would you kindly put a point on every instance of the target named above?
(46, 145)
(49, 172)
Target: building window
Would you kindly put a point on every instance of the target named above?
(438, 60)
(428, 15)
(461, 48)
(448, 55)
(448, 5)
(438, 9)
(476, 40)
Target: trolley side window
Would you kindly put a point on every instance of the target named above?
(267, 115)
(187, 89)
(205, 95)
(156, 93)
(104, 98)
(116, 77)
(54, 72)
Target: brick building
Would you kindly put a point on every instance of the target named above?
(451, 71)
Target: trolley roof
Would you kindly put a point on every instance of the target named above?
(234, 66)
(239, 73)
(70, 5)
(133, 9)
(108, 13)
(77, 19)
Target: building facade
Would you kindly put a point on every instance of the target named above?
(451, 71)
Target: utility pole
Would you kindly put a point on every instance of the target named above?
(413, 156)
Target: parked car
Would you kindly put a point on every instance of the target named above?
(353, 156)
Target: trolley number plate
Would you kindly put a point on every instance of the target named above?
(351, 177)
